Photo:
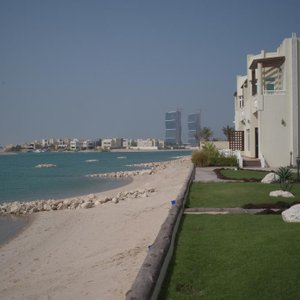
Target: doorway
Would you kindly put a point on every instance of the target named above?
(256, 143)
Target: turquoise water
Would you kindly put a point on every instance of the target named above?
(21, 181)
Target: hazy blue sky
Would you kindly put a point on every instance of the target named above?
(113, 68)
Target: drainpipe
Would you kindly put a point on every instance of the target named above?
(259, 80)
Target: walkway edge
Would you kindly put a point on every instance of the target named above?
(229, 210)
(149, 279)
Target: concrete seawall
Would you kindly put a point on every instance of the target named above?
(149, 279)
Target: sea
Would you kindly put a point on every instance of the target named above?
(21, 180)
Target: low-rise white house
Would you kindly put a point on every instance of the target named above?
(148, 144)
(267, 105)
(75, 145)
(115, 143)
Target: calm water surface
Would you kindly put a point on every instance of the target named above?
(21, 181)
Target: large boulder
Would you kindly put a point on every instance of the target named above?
(270, 178)
(281, 193)
(87, 205)
(292, 214)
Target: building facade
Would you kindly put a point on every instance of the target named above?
(267, 105)
(148, 144)
(173, 128)
(194, 126)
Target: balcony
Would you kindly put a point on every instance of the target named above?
(274, 92)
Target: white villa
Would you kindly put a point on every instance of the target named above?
(267, 107)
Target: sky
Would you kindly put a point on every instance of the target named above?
(112, 68)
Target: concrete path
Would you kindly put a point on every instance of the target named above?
(207, 175)
(222, 211)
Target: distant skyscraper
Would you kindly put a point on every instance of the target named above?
(173, 127)
(194, 125)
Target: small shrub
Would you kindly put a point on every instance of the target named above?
(285, 178)
(200, 158)
(229, 161)
(210, 149)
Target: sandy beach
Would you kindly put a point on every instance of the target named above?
(89, 253)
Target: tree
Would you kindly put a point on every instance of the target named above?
(204, 134)
(228, 131)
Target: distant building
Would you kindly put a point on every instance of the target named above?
(75, 145)
(45, 143)
(173, 128)
(194, 126)
(148, 144)
(126, 143)
(88, 145)
(161, 144)
(106, 143)
(115, 143)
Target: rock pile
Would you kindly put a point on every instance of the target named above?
(45, 166)
(122, 174)
(89, 201)
(153, 168)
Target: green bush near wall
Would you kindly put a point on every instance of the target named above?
(210, 156)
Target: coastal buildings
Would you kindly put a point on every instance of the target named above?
(267, 106)
(194, 126)
(75, 145)
(115, 143)
(173, 128)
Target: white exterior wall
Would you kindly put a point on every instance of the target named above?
(274, 137)
(276, 113)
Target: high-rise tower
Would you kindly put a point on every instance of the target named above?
(194, 126)
(173, 128)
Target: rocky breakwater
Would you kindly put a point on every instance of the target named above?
(45, 166)
(122, 174)
(89, 201)
(152, 169)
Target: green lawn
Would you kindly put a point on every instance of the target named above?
(234, 257)
(243, 174)
(235, 194)
(247, 174)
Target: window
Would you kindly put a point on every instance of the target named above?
(270, 84)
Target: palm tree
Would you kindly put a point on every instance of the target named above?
(228, 131)
(204, 134)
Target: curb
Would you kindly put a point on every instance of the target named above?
(149, 279)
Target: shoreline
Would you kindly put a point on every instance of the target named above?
(27, 223)
(20, 208)
(84, 253)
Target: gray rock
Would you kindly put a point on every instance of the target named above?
(270, 178)
(292, 214)
(115, 200)
(87, 205)
(15, 209)
(46, 207)
(281, 193)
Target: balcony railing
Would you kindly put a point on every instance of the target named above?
(274, 92)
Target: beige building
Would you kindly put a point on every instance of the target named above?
(267, 105)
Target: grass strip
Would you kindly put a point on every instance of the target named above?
(227, 194)
(243, 174)
(234, 257)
